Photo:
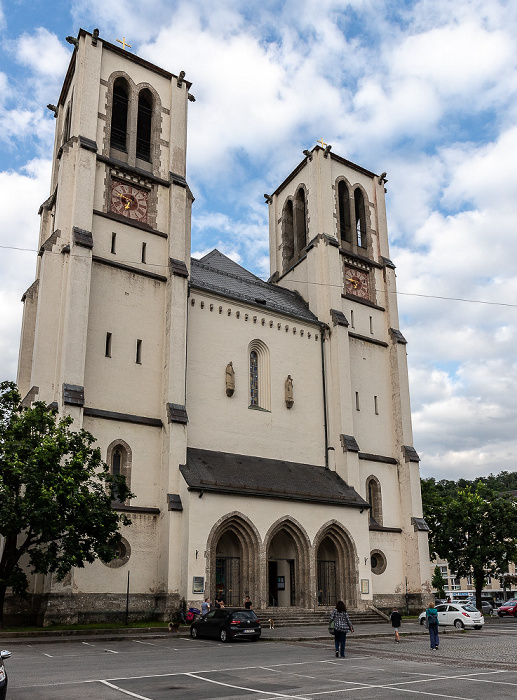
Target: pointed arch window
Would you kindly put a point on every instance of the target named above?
(260, 376)
(345, 228)
(300, 223)
(254, 391)
(360, 218)
(143, 127)
(288, 232)
(373, 494)
(119, 459)
(119, 114)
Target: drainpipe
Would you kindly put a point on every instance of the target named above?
(324, 328)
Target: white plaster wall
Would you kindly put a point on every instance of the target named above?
(128, 246)
(99, 578)
(388, 478)
(130, 307)
(217, 422)
(370, 377)
(392, 579)
(146, 444)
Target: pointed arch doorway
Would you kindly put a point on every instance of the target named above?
(287, 553)
(233, 560)
(336, 566)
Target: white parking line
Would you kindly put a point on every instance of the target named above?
(287, 673)
(127, 692)
(250, 690)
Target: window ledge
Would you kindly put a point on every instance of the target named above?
(259, 408)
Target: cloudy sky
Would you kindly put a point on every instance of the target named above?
(425, 90)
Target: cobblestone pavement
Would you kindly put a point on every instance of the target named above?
(495, 646)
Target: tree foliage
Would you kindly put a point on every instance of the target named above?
(473, 525)
(438, 582)
(55, 495)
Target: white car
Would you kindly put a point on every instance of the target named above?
(458, 614)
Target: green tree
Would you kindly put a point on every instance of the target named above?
(55, 495)
(438, 582)
(473, 527)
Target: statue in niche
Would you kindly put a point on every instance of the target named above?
(289, 399)
(230, 379)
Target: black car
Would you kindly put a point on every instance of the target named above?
(226, 624)
(3, 674)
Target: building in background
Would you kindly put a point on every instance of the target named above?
(264, 427)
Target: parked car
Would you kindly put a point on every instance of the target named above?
(227, 624)
(3, 673)
(458, 614)
(508, 608)
(486, 607)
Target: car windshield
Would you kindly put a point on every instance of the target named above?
(511, 602)
(244, 615)
(469, 608)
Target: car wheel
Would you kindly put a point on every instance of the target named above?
(223, 635)
(478, 627)
(422, 620)
(458, 624)
(254, 639)
(193, 632)
(500, 614)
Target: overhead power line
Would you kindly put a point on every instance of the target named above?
(321, 284)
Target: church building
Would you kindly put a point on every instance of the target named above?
(263, 427)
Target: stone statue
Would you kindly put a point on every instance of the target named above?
(230, 379)
(289, 400)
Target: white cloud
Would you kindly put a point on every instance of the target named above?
(424, 90)
(21, 194)
(43, 53)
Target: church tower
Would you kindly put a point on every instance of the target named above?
(329, 243)
(104, 329)
(264, 427)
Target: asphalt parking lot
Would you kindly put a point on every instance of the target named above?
(468, 666)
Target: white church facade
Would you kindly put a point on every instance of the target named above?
(264, 427)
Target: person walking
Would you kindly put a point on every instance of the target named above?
(431, 616)
(396, 619)
(205, 606)
(342, 625)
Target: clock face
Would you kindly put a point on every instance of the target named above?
(129, 200)
(356, 282)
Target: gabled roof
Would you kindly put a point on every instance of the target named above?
(224, 472)
(217, 273)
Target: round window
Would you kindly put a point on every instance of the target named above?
(377, 561)
(121, 554)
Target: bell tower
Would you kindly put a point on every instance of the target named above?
(329, 243)
(104, 329)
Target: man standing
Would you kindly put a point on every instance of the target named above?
(205, 606)
(248, 603)
(396, 619)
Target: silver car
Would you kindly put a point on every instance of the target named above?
(461, 615)
(3, 674)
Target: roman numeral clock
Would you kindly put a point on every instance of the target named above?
(129, 200)
(356, 282)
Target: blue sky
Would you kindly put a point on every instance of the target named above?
(425, 90)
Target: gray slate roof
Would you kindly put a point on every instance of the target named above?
(224, 472)
(217, 273)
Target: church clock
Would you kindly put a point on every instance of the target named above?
(356, 282)
(129, 200)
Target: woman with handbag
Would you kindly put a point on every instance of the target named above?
(340, 622)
